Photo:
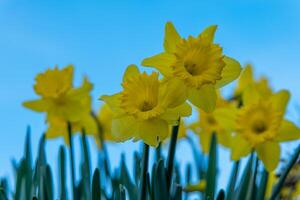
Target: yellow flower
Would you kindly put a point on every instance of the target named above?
(259, 125)
(104, 118)
(146, 107)
(198, 63)
(247, 80)
(207, 125)
(182, 132)
(58, 97)
(199, 187)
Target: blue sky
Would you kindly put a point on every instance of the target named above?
(102, 37)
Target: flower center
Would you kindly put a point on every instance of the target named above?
(259, 127)
(140, 96)
(198, 63)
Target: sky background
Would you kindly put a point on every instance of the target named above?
(102, 37)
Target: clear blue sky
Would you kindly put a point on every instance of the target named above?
(102, 37)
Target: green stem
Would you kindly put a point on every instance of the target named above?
(171, 154)
(102, 144)
(234, 174)
(285, 174)
(143, 183)
(72, 159)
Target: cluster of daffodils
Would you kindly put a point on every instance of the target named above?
(188, 76)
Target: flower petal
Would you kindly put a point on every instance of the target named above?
(173, 114)
(123, 128)
(40, 105)
(173, 92)
(230, 72)
(250, 96)
(162, 62)
(172, 38)
(205, 139)
(131, 70)
(280, 100)
(245, 79)
(240, 148)
(269, 154)
(288, 131)
(208, 34)
(226, 117)
(113, 101)
(204, 98)
(152, 132)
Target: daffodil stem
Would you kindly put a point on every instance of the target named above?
(171, 154)
(102, 144)
(72, 159)
(285, 173)
(143, 183)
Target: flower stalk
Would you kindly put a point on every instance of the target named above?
(143, 183)
(171, 154)
(72, 159)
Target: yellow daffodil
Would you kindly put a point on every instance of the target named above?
(207, 125)
(58, 97)
(247, 80)
(199, 187)
(198, 63)
(146, 107)
(259, 125)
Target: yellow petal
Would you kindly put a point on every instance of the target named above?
(288, 131)
(172, 38)
(173, 114)
(208, 34)
(204, 98)
(280, 100)
(225, 138)
(152, 132)
(226, 117)
(240, 148)
(162, 62)
(81, 92)
(251, 96)
(131, 71)
(40, 105)
(245, 79)
(269, 154)
(230, 72)
(113, 101)
(173, 92)
(124, 128)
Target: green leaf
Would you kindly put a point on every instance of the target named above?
(244, 183)
(137, 169)
(161, 188)
(211, 178)
(122, 193)
(86, 174)
(62, 173)
(232, 182)
(49, 182)
(285, 173)
(221, 195)
(262, 185)
(20, 183)
(126, 181)
(252, 183)
(96, 188)
(177, 194)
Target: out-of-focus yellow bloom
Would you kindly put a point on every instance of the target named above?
(207, 125)
(259, 125)
(146, 107)
(182, 132)
(247, 80)
(199, 187)
(198, 63)
(58, 97)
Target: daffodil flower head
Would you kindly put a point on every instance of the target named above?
(146, 107)
(207, 125)
(247, 79)
(260, 125)
(58, 97)
(196, 61)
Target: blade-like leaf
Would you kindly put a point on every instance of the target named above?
(232, 181)
(62, 173)
(262, 185)
(96, 188)
(211, 178)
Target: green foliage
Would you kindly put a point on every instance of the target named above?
(36, 181)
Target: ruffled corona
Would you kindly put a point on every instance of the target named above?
(198, 63)
(259, 122)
